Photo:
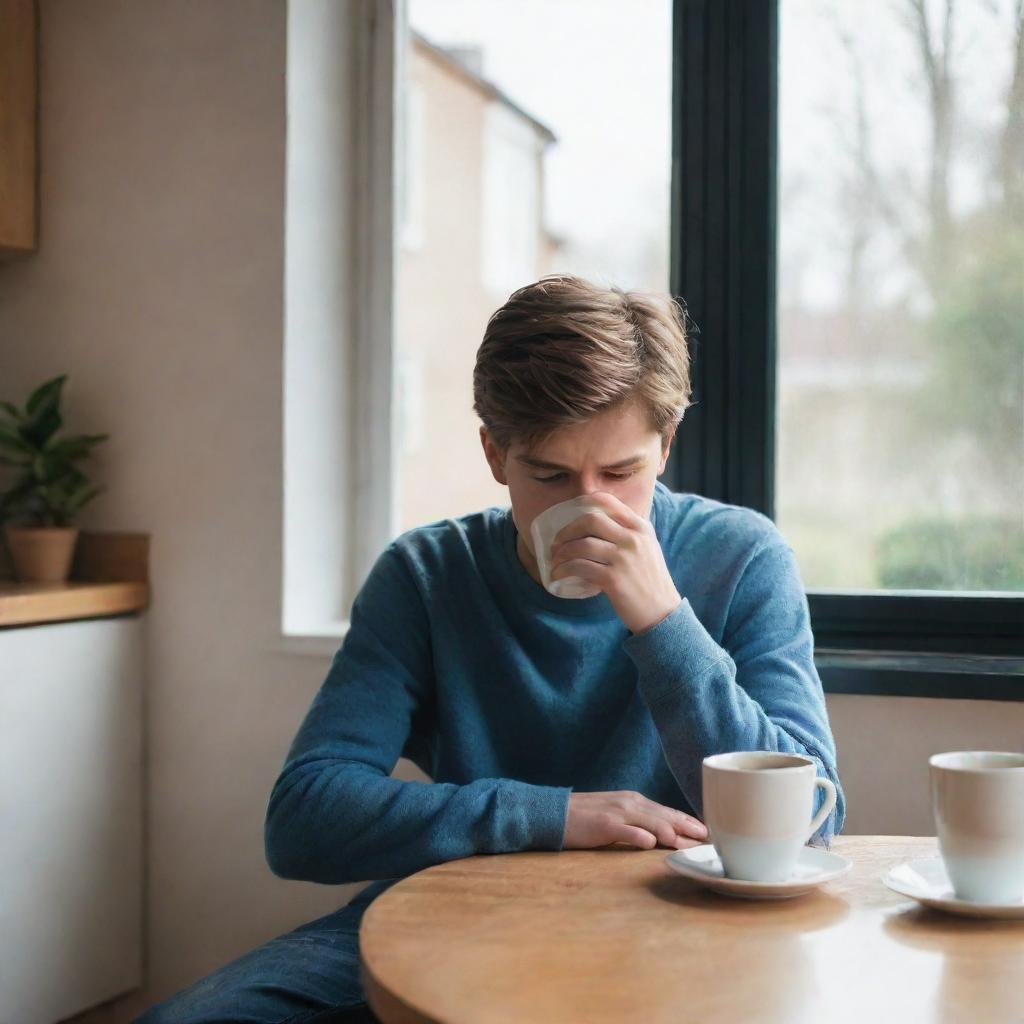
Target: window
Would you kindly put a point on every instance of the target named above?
(729, 132)
(522, 170)
(510, 214)
(672, 182)
(900, 402)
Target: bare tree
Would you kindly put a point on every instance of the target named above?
(1011, 143)
(936, 56)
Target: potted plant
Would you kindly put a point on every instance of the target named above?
(48, 489)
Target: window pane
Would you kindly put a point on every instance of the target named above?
(523, 151)
(900, 462)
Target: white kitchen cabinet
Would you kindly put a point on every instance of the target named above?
(71, 765)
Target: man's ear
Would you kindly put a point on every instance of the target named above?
(495, 457)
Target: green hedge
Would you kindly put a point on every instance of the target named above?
(937, 554)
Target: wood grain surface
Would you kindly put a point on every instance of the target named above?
(28, 604)
(18, 126)
(615, 935)
(109, 576)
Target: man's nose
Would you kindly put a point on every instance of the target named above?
(589, 484)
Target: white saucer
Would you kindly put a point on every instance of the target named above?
(814, 866)
(927, 882)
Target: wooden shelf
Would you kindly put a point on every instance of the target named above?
(24, 604)
(109, 576)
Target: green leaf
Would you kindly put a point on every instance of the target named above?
(53, 496)
(76, 500)
(43, 408)
(50, 469)
(10, 438)
(60, 486)
(17, 495)
(73, 448)
(50, 488)
(42, 425)
(46, 395)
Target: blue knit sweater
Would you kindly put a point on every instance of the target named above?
(509, 698)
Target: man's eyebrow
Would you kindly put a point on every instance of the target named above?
(541, 464)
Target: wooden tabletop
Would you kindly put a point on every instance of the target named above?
(613, 935)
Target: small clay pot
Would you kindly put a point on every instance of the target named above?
(41, 554)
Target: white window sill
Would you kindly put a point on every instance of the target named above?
(315, 642)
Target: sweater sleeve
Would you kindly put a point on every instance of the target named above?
(760, 690)
(335, 815)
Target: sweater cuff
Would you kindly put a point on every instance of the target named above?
(677, 649)
(536, 816)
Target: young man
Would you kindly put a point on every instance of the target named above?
(546, 723)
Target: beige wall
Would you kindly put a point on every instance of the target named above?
(158, 286)
(884, 743)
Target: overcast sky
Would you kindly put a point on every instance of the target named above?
(598, 73)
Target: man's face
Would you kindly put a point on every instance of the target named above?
(617, 451)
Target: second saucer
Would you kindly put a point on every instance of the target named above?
(927, 882)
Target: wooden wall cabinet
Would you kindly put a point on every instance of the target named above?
(18, 127)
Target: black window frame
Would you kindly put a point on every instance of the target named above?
(723, 267)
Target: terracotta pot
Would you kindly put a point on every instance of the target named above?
(41, 554)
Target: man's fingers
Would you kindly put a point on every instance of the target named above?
(676, 827)
(687, 844)
(691, 827)
(636, 837)
(592, 524)
(584, 568)
(638, 821)
(662, 825)
(665, 832)
(617, 509)
(681, 822)
(593, 549)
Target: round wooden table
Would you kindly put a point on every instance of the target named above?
(614, 935)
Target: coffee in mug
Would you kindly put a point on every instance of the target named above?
(758, 808)
(978, 803)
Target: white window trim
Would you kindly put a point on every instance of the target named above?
(340, 311)
(412, 150)
(380, 67)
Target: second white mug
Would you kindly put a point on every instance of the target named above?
(978, 803)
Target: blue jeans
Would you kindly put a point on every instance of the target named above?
(308, 975)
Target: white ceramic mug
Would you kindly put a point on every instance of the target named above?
(543, 530)
(758, 807)
(978, 803)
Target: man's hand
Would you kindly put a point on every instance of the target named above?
(617, 550)
(599, 819)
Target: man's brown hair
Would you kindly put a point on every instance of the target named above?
(564, 349)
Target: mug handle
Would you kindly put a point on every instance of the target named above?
(826, 807)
